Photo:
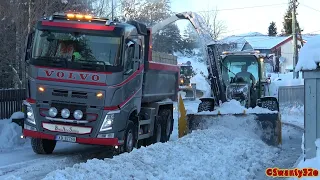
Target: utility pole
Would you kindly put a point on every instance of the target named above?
(294, 35)
(112, 11)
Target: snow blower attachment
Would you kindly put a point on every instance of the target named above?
(238, 85)
(268, 122)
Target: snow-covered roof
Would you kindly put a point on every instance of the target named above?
(265, 42)
(256, 40)
(309, 54)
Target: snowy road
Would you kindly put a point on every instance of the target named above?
(231, 149)
(24, 163)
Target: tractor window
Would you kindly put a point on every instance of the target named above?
(240, 66)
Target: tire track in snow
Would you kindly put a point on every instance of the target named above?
(290, 150)
(38, 168)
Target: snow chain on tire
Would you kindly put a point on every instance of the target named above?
(206, 106)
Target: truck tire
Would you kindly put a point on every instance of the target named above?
(130, 140)
(43, 146)
(157, 133)
(166, 123)
(206, 106)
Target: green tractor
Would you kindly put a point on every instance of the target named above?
(185, 85)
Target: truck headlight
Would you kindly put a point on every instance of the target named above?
(30, 115)
(107, 122)
(181, 81)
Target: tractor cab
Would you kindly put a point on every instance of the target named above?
(243, 75)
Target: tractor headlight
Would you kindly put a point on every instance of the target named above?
(30, 115)
(181, 81)
(107, 122)
(268, 81)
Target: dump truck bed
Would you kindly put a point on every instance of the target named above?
(161, 78)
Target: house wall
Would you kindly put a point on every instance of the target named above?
(287, 53)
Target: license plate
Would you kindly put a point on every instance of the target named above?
(66, 138)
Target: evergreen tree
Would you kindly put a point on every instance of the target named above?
(287, 23)
(272, 30)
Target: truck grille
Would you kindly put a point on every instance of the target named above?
(74, 94)
(71, 108)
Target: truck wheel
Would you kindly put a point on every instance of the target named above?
(130, 138)
(166, 121)
(206, 106)
(43, 146)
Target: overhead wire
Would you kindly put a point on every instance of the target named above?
(240, 8)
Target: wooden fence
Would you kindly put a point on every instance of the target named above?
(11, 101)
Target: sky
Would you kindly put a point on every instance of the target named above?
(240, 19)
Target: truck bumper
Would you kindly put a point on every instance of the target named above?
(93, 141)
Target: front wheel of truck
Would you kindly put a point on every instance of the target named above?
(43, 146)
(130, 138)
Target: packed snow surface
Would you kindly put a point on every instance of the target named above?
(214, 153)
(234, 107)
(309, 55)
(10, 135)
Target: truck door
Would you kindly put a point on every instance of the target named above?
(133, 61)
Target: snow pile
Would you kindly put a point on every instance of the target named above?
(10, 133)
(311, 163)
(278, 80)
(309, 55)
(201, 84)
(234, 107)
(214, 153)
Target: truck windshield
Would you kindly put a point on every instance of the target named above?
(240, 66)
(76, 48)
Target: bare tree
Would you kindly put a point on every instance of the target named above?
(217, 27)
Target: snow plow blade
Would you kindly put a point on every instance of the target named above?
(270, 124)
(191, 91)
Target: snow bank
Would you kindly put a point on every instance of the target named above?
(202, 84)
(214, 153)
(309, 55)
(278, 80)
(10, 133)
(234, 107)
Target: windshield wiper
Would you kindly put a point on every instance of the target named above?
(53, 61)
(89, 65)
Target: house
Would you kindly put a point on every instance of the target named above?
(279, 47)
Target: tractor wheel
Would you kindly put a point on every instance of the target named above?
(206, 106)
